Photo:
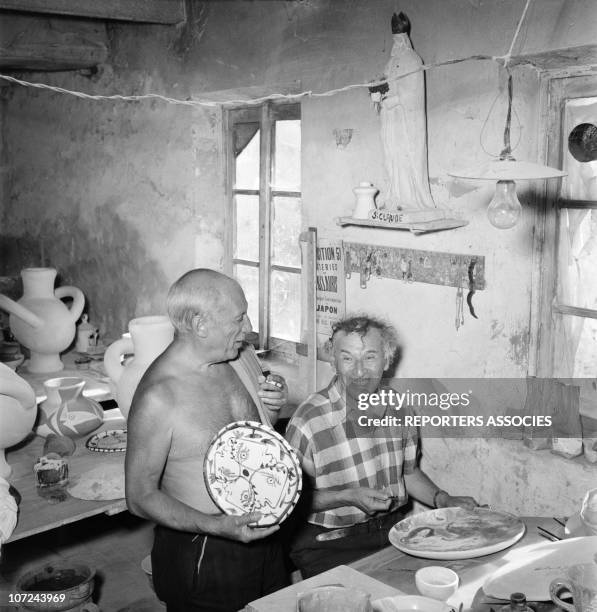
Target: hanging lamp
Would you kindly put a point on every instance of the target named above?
(504, 210)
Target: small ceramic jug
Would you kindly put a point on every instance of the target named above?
(581, 581)
(365, 194)
(149, 336)
(66, 411)
(86, 335)
(18, 410)
(40, 320)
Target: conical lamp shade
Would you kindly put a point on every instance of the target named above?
(508, 170)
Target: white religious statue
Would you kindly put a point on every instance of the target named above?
(403, 123)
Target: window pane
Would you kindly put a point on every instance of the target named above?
(575, 347)
(245, 140)
(285, 317)
(287, 167)
(577, 258)
(580, 149)
(286, 228)
(248, 278)
(247, 227)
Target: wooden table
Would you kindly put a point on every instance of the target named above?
(397, 570)
(37, 514)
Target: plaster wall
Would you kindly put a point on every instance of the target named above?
(124, 197)
(120, 197)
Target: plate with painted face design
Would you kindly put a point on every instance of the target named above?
(249, 467)
(456, 533)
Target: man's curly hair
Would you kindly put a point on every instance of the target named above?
(361, 324)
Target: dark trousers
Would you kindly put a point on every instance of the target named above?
(203, 573)
(313, 557)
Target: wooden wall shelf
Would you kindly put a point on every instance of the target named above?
(417, 227)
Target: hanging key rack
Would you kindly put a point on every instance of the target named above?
(414, 266)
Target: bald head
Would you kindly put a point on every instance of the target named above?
(200, 292)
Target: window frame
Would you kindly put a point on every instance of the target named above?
(266, 115)
(556, 87)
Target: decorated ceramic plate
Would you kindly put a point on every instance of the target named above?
(250, 468)
(456, 533)
(110, 441)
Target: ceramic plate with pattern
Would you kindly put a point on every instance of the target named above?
(456, 533)
(251, 468)
(110, 441)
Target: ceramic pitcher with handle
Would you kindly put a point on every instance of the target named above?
(581, 581)
(149, 336)
(40, 320)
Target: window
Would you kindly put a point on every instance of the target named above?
(567, 344)
(264, 178)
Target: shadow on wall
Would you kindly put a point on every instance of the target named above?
(107, 261)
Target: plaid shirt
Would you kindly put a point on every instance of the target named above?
(333, 461)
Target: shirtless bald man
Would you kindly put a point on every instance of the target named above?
(202, 560)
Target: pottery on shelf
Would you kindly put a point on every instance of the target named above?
(86, 335)
(149, 336)
(66, 411)
(18, 410)
(41, 321)
(365, 195)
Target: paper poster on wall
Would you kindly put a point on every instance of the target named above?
(330, 301)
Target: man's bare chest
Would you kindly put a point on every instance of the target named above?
(212, 403)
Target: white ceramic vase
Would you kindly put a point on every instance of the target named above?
(66, 411)
(40, 320)
(365, 195)
(149, 336)
(18, 410)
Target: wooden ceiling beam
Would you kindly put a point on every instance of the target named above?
(42, 43)
(52, 57)
(168, 12)
(553, 59)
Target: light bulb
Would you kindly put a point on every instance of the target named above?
(504, 209)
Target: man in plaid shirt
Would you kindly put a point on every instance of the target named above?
(360, 476)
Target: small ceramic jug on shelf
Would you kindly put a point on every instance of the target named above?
(149, 336)
(365, 194)
(86, 335)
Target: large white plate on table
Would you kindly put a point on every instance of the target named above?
(456, 533)
(249, 467)
(530, 569)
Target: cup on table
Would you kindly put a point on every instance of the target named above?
(334, 598)
(436, 582)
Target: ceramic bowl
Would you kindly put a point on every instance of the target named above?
(436, 582)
